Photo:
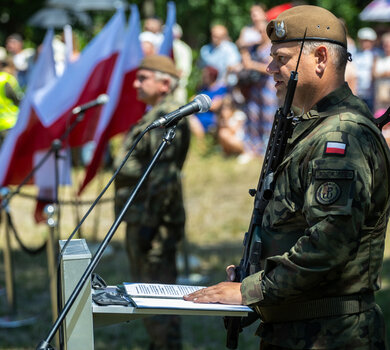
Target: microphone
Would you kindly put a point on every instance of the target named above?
(100, 100)
(201, 103)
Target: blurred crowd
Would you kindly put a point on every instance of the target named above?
(233, 73)
(243, 96)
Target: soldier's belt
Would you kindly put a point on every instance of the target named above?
(326, 307)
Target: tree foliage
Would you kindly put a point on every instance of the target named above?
(195, 16)
(14, 15)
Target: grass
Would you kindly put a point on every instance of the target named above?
(218, 212)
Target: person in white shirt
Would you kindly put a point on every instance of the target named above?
(382, 76)
(182, 55)
(364, 61)
(221, 53)
(22, 58)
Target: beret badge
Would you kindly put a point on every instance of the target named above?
(280, 29)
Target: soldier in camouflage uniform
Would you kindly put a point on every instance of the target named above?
(323, 232)
(155, 221)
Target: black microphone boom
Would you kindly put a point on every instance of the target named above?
(100, 100)
(201, 103)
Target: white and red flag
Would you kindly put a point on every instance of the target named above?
(46, 110)
(43, 75)
(83, 81)
(17, 150)
(123, 109)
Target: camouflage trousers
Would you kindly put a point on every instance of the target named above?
(362, 331)
(152, 257)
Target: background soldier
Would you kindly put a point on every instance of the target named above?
(323, 231)
(155, 222)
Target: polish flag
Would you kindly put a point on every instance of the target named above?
(46, 110)
(123, 109)
(335, 148)
(44, 74)
(16, 151)
(83, 81)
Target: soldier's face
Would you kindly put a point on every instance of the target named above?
(148, 89)
(284, 61)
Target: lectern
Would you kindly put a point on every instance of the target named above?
(85, 314)
(78, 325)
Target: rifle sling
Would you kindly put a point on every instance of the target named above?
(320, 308)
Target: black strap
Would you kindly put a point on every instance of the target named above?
(97, 282)
(383, 119)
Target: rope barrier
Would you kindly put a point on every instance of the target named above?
(64, 202)
(34, 251)
(31, 251)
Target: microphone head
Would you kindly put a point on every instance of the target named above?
(102, 99)
(204, 102)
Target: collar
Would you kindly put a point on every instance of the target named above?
(328, 104)
(158, 110)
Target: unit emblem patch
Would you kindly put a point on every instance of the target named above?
(328, 193)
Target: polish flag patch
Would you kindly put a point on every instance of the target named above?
(335, 148)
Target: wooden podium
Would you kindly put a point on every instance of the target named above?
(85, 314)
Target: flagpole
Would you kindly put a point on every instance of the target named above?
(167, 139)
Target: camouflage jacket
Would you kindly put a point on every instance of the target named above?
(323, 231)
(160, 197)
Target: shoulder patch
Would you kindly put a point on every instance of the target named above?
(335, 148)
(328, 193)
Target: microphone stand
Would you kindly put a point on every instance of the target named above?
(167, 139)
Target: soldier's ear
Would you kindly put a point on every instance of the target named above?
(165, 85)
(321, 56)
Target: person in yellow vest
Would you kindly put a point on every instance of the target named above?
(9, 97)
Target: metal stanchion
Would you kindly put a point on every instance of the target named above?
(50, 211)
(8, 268)
(12, 319)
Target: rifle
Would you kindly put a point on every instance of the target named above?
(281, 131)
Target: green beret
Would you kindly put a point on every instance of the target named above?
(321, 25)
(159, 63)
